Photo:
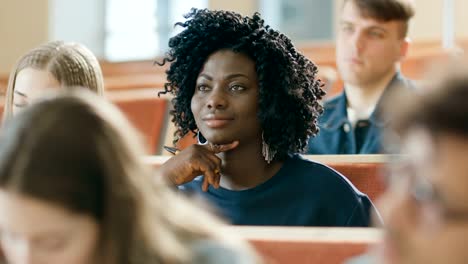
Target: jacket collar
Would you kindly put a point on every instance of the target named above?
(337, 107)
(337, 114)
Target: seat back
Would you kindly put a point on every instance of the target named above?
(363, 171)
(366, 172)
(367, 177)
(147, 112)
(304, 245)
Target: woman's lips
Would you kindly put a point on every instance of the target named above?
(217, 123)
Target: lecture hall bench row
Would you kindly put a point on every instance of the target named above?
(366, 172)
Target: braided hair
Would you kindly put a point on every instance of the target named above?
(71, 64)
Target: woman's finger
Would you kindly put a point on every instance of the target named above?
(218, 178)
(205, 184)
(209, 175)
(215, 161)
(212, 177)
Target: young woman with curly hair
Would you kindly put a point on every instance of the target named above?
(253, 101)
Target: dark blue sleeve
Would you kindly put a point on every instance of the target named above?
(362, 212)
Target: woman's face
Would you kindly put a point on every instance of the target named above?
(35, 231)
(31, 84)
(225, 101)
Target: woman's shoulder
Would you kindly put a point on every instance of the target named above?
(214, 252)
(316, 173)
(297, 164)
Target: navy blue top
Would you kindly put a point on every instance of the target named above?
(302, 193)
(337, 135)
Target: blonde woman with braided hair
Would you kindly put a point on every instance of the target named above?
(50, 66)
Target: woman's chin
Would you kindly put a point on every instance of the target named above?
(220, 142)
(219, 139)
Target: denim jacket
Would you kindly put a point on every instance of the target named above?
(337, 135)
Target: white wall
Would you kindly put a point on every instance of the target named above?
(80, 21)
(427, 22)
(245, 7)
(23, 25)
(461, 19)
(428, 19)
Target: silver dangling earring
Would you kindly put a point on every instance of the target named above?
(201, 139)
(267, 152)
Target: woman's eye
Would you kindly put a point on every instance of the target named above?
(237, 88)
(202, 88)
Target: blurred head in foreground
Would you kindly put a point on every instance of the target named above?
(426, 208)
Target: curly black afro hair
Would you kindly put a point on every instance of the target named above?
(289, 92)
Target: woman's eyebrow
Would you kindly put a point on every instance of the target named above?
(235, 75)
(206, 76)
(228, 76)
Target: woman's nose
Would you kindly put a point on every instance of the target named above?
(217, 99)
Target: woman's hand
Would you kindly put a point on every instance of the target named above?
(196, 160)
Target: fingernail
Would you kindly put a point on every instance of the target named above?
(172, 150)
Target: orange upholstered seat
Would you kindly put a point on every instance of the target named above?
(304, 245)
(367, 177)
(147, 113)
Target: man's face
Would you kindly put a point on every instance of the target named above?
(426, 209)
(367, 50)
